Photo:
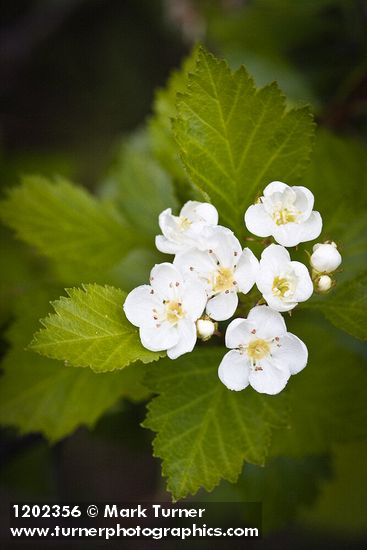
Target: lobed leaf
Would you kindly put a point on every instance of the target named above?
(204, 431)
(234, 139)
(66, 224)
(43, 395)
(345, 306)
(89, 329)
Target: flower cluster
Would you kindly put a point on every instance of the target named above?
(187, 298)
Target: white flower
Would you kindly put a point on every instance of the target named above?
(326, 257)
(205, 328)
(263, 354)
(166, 310)
(285, 213)
(224, 268)
(283, 283)
(323, 283)
(186, 230)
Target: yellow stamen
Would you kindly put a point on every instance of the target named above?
(223, 279)
(284, 216)
(258, 349)
(280, 286)
(174, 311)
(184, 223)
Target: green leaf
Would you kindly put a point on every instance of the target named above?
(235, 139)
(138, 187)
(66, 224)
(338, 177)
(160, 125)
(204, 431)
(345, 306)
(89, 329)
(20, 273)
(43, 395)
(328, 398)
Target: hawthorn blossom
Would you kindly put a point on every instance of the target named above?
(166, 310)
(283, 283)
(326, 257)
(263, 354)
(205, 328)
(186, 230)
(323, 283)
(285, 213)
(224, 268)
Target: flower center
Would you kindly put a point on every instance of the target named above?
(184, 223)
(281, 286)
(258, 349)
(285, 215)
(174, 311)
(223, 279)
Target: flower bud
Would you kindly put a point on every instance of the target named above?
(205, 328)
(324, 283)
(325, 258)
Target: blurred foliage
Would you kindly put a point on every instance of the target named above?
(42, 395)
(286, 487)
(342, 503)
(138, 187)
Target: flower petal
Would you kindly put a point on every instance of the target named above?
(195, 262)
(166, 280)
(304, 201)
(167, 222)
(277, 303)
(234, 371)
(288, 234)
(222, 306)
(246, 270)
(276, 255)
(200, 212)
(304, 287)
(139, 304)
(225, 246)
(194, 298)
(268, 323)
(291, 234)
(311, 228)
(238, 333)
(258, 221)
(291, 354)
(159, 337)
(275, 187)
(270, 379)
(273, 261)
(166, 246)
(186, 331)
